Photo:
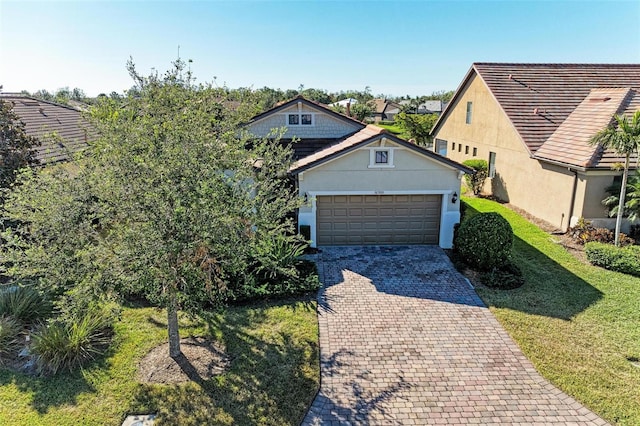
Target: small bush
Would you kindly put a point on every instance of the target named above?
(634, 232)
(476, 180)
(24, 303)
(620, 259)
(484, 241)
(505, 277)
(68, 345)
(9, 331)
(584, 232)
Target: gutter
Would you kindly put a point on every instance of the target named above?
(573, 196)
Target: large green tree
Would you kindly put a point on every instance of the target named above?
(418, 126)
(168, 202)
(623, 137)
(17, 148)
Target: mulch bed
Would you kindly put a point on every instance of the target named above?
(201, 360)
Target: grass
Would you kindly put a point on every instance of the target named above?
(273, 377)
(396, 129)
(578, 324)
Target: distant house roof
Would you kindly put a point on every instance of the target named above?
(429, 107)
(383, 105)
(538, 98)
(43, 119)
(344, 102)
(364, 137)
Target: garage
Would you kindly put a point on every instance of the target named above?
(378, 219)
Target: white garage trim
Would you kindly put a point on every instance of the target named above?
(447, 218)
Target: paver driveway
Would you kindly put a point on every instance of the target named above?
(404, 339)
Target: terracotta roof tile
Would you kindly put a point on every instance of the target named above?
(555, 90)
(43, 118)
(570, 142)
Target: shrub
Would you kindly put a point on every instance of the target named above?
(476, 180)
(24, 303)
(68, 345)
(620, 259)
(9, 331)
(584, 232)
(484, 240)
(634, 232)
(506, 277)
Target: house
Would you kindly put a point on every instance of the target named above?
(426, 107)
(361, 184)
(61, 129)
(533, 123)
(385, 110)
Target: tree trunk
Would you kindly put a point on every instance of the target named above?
(172, 324)
(623, 193)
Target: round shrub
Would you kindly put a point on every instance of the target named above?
(484, 241)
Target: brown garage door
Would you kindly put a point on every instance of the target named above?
(378, 219)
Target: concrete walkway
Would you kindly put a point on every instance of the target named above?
(405, 340)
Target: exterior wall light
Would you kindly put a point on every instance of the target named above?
(454, 197)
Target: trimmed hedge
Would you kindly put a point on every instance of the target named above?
(484, 241)
(619, 259)
(476, 180)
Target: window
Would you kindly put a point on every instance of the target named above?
(459, 147)
(492, 164)
(475, 151)
(441, 147)
(453, 146)
(466, 149)
(469, 108)
(382, 157)
(300, 119)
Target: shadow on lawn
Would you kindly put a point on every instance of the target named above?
(549, 290)
(268, 382)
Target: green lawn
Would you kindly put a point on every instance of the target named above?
(578, 324)
(395, 129)
(273, 377)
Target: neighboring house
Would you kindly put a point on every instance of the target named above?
(344, 102)
(427, 107)
(361, 184)
(61, 129)
(533, 123)
(385, 110)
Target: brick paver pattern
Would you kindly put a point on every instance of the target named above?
(405, 340)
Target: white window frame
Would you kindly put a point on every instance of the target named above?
(300, 114)
(372, 157)
(492, 165)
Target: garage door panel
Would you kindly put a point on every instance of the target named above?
(378, 219)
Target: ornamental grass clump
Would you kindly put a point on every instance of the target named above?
(9, 332)
(24, 304)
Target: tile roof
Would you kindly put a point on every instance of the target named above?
(570, 142)
(44, 118)
(553, 90)
(362, 137)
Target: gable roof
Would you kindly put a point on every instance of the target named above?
(363, 137)
(383, 105)
(538, 98)
(43, 119)
(569, 144)
(311, 104)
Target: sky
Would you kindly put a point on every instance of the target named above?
(394, 48)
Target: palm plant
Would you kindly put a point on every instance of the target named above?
(622, 136)
(632, 198)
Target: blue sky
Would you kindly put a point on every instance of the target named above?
(395, 48)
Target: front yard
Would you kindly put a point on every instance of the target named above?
(578, 324)
(273, 374)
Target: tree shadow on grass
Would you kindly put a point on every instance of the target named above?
(272, 378)
(550, 289)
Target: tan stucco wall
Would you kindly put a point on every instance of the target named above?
(324, 126)
(595, 192)
(412, 172)
(542, 189)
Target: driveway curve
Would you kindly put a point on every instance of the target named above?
(405, 340)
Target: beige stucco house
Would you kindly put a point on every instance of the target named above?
(533, 123)
(362, 185)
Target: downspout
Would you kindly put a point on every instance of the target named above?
(573, 196)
